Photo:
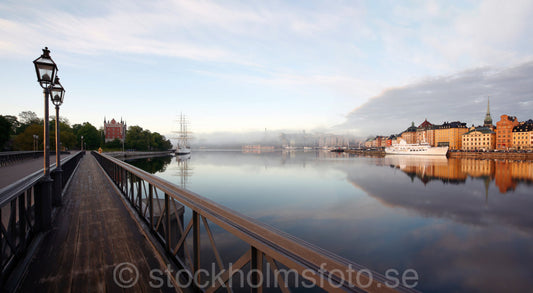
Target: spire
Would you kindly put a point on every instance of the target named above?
(488, 120)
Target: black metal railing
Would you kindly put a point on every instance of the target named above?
(8, 158)
(21, 213)
(175, 217)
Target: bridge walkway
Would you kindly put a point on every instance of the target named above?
(92, 234)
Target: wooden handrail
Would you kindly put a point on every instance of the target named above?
(325, 269)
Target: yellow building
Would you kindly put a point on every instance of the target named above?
(450, 134)
(523, 136)
(479, 139)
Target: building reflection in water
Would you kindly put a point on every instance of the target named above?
(505, 173)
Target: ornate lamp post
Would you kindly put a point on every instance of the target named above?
(58, 93)
(46, 71)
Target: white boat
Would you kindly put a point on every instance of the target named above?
(183, 147)
(423, 149)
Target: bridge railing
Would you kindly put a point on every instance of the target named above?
(8, 158)
(22, 211)
(175, 217)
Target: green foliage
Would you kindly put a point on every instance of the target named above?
(24, 141)
(66, 135)
(91, 135)
(21, 132)
(115, 144)
(143, 140)
(5, 131)
(15, 124)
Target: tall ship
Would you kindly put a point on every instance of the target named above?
(183, 147)
(424, 149)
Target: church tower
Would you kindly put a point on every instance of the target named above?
(488, 120)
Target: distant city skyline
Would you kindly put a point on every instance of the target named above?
(355, 68)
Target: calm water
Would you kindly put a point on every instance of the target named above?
(464, 225)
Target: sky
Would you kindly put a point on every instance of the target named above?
(353, 67)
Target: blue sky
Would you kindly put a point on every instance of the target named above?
(243, 66)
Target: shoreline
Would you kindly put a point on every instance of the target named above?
(472, 155)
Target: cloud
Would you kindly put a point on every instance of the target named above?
(461, 96)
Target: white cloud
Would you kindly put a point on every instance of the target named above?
(461, 96)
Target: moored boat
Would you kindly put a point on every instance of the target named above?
(424, 149)
(183, 147)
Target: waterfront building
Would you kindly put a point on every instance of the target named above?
(409, 135)
(381, 141)
(423, 133)
(479, 139)
(368, 143)
(114, 130)
(523, 136)
(391, 140)
(504, 132)
(450, 134)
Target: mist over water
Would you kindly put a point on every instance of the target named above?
(464, 225)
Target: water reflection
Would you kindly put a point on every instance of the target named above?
(506, 173)
(464, 225)
(151, 165)
(184, 172)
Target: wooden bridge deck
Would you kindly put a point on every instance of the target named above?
(92, 234)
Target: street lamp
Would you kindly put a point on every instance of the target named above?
(46, 71)
(82, 142)
(58, 93)
(35, 139)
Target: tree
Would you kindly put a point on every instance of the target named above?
(114, 144)
(24, 141)
(27, 118)
(67, 137)
(15, 124)
(160, 143)
(5, 131)
(91, 136)
(137, 138)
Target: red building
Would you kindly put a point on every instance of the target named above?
(114, 130)
(504, 132)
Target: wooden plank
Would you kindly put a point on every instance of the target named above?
(93, 233)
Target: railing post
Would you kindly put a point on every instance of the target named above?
(132, 177)
(22, 218)
(139, 197)
(151, 205)
(167, 221)
(256, 271)
(196, 243)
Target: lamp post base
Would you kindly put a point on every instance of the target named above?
(43, 204)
